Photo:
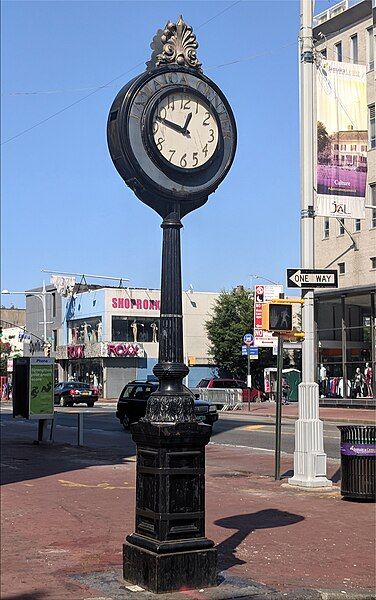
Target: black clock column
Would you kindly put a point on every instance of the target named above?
(169, 549)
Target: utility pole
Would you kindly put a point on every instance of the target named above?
(309, 456)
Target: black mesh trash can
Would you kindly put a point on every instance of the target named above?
(358, 461)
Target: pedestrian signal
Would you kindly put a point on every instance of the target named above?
(277, 317)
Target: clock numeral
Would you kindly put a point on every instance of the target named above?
(196, 107)
(187, 105)
(211, 131)
(155, 127)
(163, 116)
(160, 143)
(171, 103)
(183, 162)
(172, 152)
(205, 150)
(207, 118)
(195, 159)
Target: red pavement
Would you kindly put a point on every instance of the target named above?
(66, 511)
(335, 414)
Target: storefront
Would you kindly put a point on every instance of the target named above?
(345, 321)
(111, 336)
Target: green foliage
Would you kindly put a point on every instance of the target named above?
(5, 351)
(232, 318)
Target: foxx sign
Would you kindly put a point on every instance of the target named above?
(124, 350)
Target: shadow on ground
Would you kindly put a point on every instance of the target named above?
(244, 526)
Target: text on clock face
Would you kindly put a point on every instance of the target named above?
(185, 131)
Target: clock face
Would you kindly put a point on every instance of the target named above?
(185, 130)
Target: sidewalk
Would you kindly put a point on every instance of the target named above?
(66, 511)
(331, 414)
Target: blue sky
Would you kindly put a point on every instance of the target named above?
(64, 206)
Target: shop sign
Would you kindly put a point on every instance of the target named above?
(121, 350)
(136, 303)
(75, 352)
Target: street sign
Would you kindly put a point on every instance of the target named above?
(248, 339)
(312, 278)
(252, 351)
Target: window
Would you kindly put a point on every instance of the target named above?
(341, 230)
(54, 339)
(371, 126)
(130, 329)
(54, 304)
(326, 229)
(370, 49)
(336, 146)
(341, 268)
(354, 49)
(343, 147)
(338, 48)
(357, 225)
(353, 147)
(324, 52)
(373, 203)
(363, 148)
(373, 262)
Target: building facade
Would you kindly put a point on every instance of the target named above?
(109, 336)
(347, 34)
(346, 318)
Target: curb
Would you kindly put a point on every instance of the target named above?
(295, 417)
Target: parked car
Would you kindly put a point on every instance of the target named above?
(68, 393)
(132, 402)
(250, 394)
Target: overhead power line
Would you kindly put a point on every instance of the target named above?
(101, 86)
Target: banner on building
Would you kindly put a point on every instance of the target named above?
(341, 140)
(64, 285)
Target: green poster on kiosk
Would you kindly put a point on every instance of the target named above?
(41, 388)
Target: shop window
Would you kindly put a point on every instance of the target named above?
(85, 331)
(130, 329)
(342, 268)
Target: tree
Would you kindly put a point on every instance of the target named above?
(232, 317)
(5, 352)
(323, 144)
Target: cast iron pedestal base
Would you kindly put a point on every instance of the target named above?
(169, 572)
(169, 550)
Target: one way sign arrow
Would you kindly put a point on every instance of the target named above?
(312, 278)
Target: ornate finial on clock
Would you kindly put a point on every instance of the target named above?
(176, 44)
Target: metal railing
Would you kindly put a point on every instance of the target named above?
(224, 399)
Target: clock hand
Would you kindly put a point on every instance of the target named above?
(170, 124)
(187, 121)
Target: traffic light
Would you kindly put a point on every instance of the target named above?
(277, 317)
(47, 350)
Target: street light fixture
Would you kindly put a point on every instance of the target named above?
(43, 297)
(265, 279)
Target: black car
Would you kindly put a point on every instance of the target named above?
(68, 393)
(132, 402)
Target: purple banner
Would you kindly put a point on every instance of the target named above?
(349, 449)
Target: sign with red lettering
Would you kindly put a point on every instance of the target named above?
(122, 350)
(136, 303)
(74, 352)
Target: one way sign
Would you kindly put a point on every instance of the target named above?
(312, 278)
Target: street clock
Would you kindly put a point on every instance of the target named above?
(171, 132)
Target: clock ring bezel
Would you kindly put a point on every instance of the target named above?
(150, 144)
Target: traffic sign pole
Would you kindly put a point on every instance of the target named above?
(309, 456)
(278, 412)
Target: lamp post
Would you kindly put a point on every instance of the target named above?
(43, 298)
(264, 278)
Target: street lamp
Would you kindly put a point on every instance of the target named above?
(43, 297)
(264, 278)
